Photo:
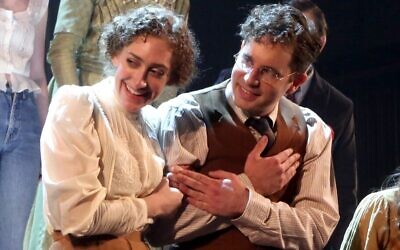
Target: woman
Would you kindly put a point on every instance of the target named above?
(23, 108)
(74, 53)
(102, 165)
(375, 224)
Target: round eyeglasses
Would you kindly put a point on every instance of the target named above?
(267, 75)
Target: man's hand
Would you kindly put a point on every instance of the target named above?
(221, 193)
(171, 177)
(270, 174)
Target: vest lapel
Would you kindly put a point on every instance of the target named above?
(291, 129)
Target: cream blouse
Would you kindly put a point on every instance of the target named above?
(98, 162)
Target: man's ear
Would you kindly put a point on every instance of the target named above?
(322, 42)
(298, 80)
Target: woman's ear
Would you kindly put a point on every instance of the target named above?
(298, 80)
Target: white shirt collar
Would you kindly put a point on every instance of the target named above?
(239, 112)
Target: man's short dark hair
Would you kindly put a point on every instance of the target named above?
(286, 25)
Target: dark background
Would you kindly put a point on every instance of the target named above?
(361, 58)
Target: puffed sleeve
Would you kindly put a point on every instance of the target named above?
(70, 151)
(74, 197)
(73, 22)
(74, 17)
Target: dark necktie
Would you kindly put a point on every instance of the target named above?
(263, 126)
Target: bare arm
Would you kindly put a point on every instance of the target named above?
(37, 67)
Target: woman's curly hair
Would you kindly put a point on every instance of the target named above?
(157, 21)
(285, 25)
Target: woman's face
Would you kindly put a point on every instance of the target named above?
(142, 71)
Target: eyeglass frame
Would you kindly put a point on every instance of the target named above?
(247, 69)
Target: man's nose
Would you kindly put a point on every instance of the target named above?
(251, 76)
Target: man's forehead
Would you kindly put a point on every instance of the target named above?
(267, 43)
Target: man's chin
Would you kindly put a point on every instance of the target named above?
(245, 107)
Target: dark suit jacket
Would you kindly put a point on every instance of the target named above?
(337, 111)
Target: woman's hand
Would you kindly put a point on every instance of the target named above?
(164, 200)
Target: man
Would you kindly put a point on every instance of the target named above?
(337, 111)
(214, 131)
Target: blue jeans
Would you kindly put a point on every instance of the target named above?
(20, 130)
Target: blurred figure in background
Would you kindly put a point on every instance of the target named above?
(336, 110)
(23, 108)
(375, 224)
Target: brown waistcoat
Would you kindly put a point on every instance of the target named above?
(230, 141)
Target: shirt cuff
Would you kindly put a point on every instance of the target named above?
(256, 212)
(246, 181)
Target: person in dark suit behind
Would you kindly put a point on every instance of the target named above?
(336, 110)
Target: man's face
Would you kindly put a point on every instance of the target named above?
(254, 96)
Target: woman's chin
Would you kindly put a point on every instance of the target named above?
(133, 106)
(133, 103)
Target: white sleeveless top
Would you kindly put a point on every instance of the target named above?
(17, 31)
